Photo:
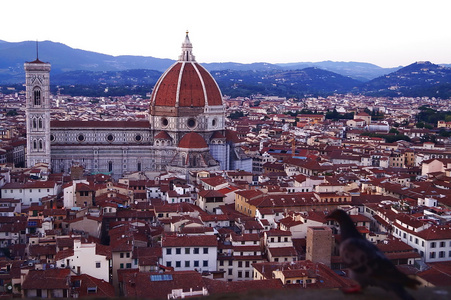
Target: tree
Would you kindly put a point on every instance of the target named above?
(236, 115)
(394, 130)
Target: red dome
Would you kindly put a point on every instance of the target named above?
(186, 84)
(192, 140)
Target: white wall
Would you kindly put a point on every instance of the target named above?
(86, 258)
(29, 195)
(173, 258)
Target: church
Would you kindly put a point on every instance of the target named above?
(185, 131)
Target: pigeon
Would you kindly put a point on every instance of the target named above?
(367, 264)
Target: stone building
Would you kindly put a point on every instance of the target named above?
(185, 130)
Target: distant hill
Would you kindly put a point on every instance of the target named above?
(107, 78)
(295, 83)
(356, 70)
(64, 59)
(416, 80)
(88, 73)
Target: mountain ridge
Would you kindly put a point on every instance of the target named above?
(64, 58)
(98, 73)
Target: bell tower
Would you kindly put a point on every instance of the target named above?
(37, 82)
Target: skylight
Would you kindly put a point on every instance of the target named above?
(161, 277)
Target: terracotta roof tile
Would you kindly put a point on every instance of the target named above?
(142, 285)
(47, 279)
(217, 135)
(216, 287)
(163, 135)
(186, 84)
(189, 241)
(192, 140)
(102, 288)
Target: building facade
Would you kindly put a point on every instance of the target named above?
(37, 112)
(185, 130)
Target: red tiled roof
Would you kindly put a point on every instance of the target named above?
(189, 241)
(163, 135)
(214, 181)
(30, 185)
(38, 250)
(47, 279)
(103, 289)
(277, 232)
(140, 285)
(250, 194)
(232, 136)
(438, 274)
(216, 287)
(409, 220)
(190, 90)
(217, 135)
(215, 218)
(83, 187)
(196, 230)
(211, 193)
(228, 189)
(326, 278)
(282, 251)
(62, 254)
(196, 88)
(192, 140)
(359, 218)
(246, 237)
(435, 233)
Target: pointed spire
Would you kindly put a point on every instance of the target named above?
(187, 50)
(37, 61)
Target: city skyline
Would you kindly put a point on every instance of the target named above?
(387, 34)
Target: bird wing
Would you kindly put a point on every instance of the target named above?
(370, 266)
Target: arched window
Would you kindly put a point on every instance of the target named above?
(40, 145)
(139, 167)
(35, 144)
(37, 96)
(110, 166)
(40, 123)
(34, 123)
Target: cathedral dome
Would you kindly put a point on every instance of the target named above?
(185, 84)
(192, 140)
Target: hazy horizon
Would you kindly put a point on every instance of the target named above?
(384, 33)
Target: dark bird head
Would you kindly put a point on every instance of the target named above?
(338, 215)
(347, 227)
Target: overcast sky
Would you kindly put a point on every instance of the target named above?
(387, 33)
